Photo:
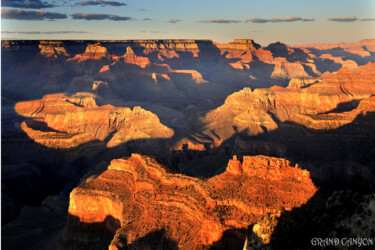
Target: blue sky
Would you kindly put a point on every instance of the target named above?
(265, 21)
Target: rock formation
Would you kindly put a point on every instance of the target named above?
(136, 196)
(93, 52)
(52, 49)
(302, 82)
(65, 122)
(195, 75)
(261, 110)
(130, 57)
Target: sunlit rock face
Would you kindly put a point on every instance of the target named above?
(136, 196)
(52, 49)
(130, 57)
(93, 52)
(260, 111)
(65, 122)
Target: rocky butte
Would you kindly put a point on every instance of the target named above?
(65, 122)
(136, 196)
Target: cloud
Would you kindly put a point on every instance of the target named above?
(343, 19)
(101, 3)
(155, 32)
(368, 19)
(142, 9)
(220, 21)
(90, 17)
(174, 20)
(146, 19)
(30, 14)
(279, 20)
(26, 4)
(44, 32)
(257, 20)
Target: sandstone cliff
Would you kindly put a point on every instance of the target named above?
(130, 57)
(93, 52)
(261, 110)
(52, 49)
(65, 122)
(136, 196)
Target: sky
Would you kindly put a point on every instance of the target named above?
(265, 21)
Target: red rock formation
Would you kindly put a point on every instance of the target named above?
(355, 48)
(65, 122)
(335, 120)
(195, 75)
(349, 64)
(156, 77)
(288, 70)
(259, 111)
(130, 57)
(141, 197)
(93, 52)
(302, 82)
(166, 47)
(52, 49)
(245, 50)
(104, 69)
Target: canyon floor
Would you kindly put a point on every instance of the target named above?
(186, 144)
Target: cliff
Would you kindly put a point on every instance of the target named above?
(136, 196)
(130, 57)
(93, 52)
(65, 122)
(261, 110)
(52, 49)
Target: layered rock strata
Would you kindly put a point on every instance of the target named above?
(65, 122)
(136, 196)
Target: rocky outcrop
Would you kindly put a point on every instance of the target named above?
(246, 50)
(93, 52)
(349, 64)
(259, 111)
(65, 122)
(288, 70)
(52, 49)
(131, 58)
(355, 48)
(302, 82)
(136, 196)
(195, 75)
(335, 120)
(157, 77)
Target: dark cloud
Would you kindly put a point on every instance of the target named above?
(279, 20)
(26, 4)
(91, 17)
(174, 20)
(343, 19)
(30, 14)
(220, 21)
(102, 3)
(368, 19)
(44, 32)
(146, 19)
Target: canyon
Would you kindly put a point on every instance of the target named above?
(183, 144)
